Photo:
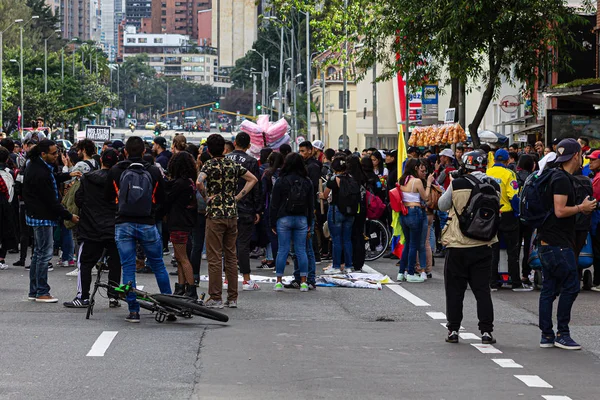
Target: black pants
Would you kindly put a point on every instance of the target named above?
(25, 233)
(525, 234)
(196, 245)
(468, 266)
(509, 230)
(358, 239)
(596, 251)
(89, 254)
(245, 225)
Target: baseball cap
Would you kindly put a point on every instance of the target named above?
(392, 153)
(318, 144)
(501, 155)
(118, 145)
(594, 155)
(555, 141)
(110, 157)
(161, 141)
(412, 149)
(447, 153)
(566, 149)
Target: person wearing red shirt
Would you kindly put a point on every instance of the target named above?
(595, 167)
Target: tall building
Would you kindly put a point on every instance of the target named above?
(176, 16)
(95, 20)
(112, 13)
(136, 10)
(234, 29)
(54, 5)
(75, 19)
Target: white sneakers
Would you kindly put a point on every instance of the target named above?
(250, 285)
(595, 288)
(3, 265)
(75, 272)
(423, 276)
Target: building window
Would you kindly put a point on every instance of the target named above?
(143, 40)
(130, 40)
(341, 99)
(331, 71)
(158, 40)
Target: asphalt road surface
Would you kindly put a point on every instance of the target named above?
(331, 343)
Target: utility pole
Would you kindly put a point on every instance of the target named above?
(322, 105)
(345, 144)
(308, 85)
(280, 105)
(375, 133)
(167, 113)
(294, 132)
(22, 105)
(253, 95)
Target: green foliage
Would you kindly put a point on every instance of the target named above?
(577, 83)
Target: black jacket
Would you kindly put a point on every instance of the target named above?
(314, 168)
(280, 194)
(39, 194)
(96, 214)
(180, 205)
(112, 185)
(252, 202)
(163, 159)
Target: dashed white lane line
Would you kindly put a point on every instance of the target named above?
(141, 287)
(102, 344)
(557, 397)
(399, 290)
(468, 336)
(486, 348)
(506, 363)
(437, 315)
(533, 381)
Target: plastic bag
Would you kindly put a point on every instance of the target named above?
(277, 130)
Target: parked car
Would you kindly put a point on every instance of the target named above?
(65, 143)
(149, 126)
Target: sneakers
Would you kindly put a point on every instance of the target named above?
(250, 285)
(257, 252)
(332, 271)
(133, 317)
(429, 275)
(565, 342)
(304, 287)
(231, 304)
(114, 303)
(521, 287)
(292, 285)
(487, 338)
(75, 272)
(278, 287)
(401, 277)
(547, 341)
(77, 303)
(66, 264)
(31, 298)
(204, 256)
(3, 265)
(214, 303)
(452, 337)
(50, 267)
(414, 279)
(494, 288)
(20, 263)
(225, 285)
(267, 265)
(424, 276)
(594, 288)
(312, 286)
(166, 251)
(46, 299)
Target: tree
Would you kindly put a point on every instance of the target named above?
(467, 40)
(238, 100)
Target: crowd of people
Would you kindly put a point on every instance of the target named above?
(128, 201)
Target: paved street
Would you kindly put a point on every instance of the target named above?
(329, 343)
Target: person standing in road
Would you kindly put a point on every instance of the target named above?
(43, 209)
(138, 189)
(468, 261)
(525, 167)
(556, 244)
(509, 222)
(249, 209)
(595, 167)
(218, 183)
(314, 169)
(162, 154)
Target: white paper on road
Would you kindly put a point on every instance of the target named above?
(486, 348)
(468, 336)
(506, 363)
(399, 290)
(533, 381)
(436, 315)
(102, 344)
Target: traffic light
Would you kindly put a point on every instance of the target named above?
(128, 115)
(217, 105)
(258, 106)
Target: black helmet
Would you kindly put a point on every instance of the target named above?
(475, 160)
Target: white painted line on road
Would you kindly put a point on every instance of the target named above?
(399, 290)
(557, 397)
(102, 343)
(468, 336)
(462, 328)
(534, 381)
(486, 348)
(141, 287)
(506, 363)
(437, 315)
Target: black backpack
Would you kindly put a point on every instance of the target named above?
(349, 195)
(296, 202)
(135, 191)
(480, 218)
(534, 207)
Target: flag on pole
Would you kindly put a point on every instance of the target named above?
(19, 118)
(398, 239)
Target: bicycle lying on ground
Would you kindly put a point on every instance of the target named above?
(162, 305)
(377, 239)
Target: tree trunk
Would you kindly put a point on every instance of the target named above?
(454, 95)
(486, 99)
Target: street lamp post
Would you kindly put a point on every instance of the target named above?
(263, 75)
(21, 65)
(12, 60)
(46, 60)
(16, 21)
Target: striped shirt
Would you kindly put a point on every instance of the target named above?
(44, 222)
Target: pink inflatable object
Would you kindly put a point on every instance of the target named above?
(263, 122)
(284, 139)
(277, 131)
(250, 128)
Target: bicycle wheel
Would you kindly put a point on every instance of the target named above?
(377, 239)
(191, 306)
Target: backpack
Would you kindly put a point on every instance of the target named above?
(480, 218)
(7, 176)
(348, 199)
(93, 166)
(375, 207)
(296, 203)
(68, 201)
(135, 192)
(533, 207)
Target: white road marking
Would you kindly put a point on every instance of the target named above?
(468, 336)
(486, 348)
(557, 397)
(533, 381)
(399, 290)
(141, 287)
(506, 363)
(437, 315)
(462, 328)
(102, 343)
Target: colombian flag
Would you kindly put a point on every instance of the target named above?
(398, 239)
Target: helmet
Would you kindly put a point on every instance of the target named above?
(475, 160)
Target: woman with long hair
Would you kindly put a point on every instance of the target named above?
(291, 214)
(358, 226)
(180, 206)
(269, 177)
(372, 180)
(414, 224)
(378, 165)
(525, 167)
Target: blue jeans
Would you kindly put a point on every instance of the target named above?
(560, 277)
(443, 216)
(292, 227)
(310, 254)
(340, 228)
(414, 227)
(126, 235)
(68, 247)
(43, 241)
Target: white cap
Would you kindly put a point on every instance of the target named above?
(447, 153)
(318, 144)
